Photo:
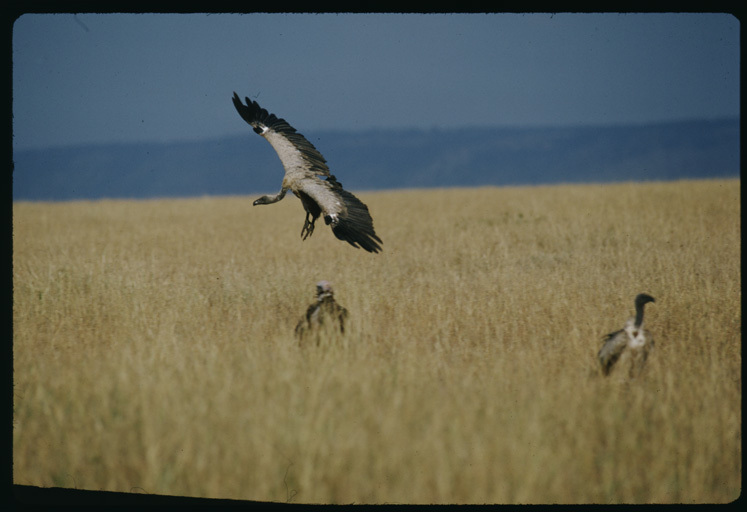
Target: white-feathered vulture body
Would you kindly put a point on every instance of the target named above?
(308, 177)
(632, 342)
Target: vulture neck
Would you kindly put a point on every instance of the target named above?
(638, 315)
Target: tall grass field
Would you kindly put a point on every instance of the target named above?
(154, 349)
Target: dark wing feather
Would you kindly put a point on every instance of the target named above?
(355, 225)
(614, 345)
(611, 335)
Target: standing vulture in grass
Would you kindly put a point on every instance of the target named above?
(304, 169)
(632, 341)
(323, 316)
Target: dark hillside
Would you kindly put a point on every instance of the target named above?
(387, 160)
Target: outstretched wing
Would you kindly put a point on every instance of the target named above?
(346, 214)
(295, 152)
(355, 226)
(614, 345)
(348, 217)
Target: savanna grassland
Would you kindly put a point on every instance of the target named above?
(153, 348)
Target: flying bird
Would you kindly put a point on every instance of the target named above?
(308, 177)
(324, 313)
(632, 341)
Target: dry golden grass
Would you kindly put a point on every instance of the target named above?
(154, 350)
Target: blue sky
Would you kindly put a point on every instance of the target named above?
(100, 78)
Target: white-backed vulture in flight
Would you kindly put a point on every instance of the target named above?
(305, 169)
(632, 341)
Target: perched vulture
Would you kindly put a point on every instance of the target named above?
(323, 314)
(308, 177)
(632, 341)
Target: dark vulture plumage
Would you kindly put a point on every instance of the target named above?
(632, 341)
(308, 177)
(323, 316)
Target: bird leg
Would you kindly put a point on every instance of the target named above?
(308, 226)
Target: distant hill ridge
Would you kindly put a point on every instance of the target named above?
(387, 159)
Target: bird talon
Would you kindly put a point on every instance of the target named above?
(308, 228)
